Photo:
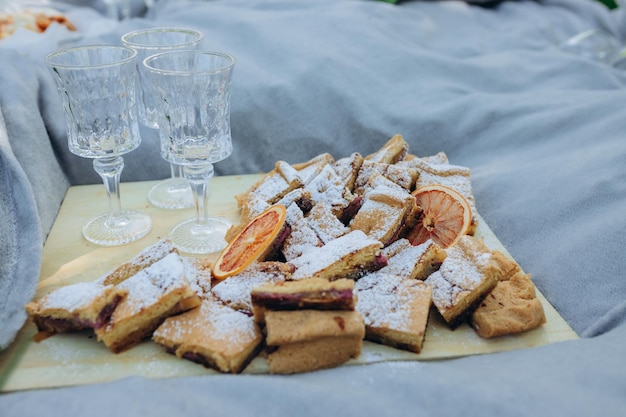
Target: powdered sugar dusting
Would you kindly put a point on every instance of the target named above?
(148, 285)
(384, 301)
(317, 259)
(235, 291)
(73, 297)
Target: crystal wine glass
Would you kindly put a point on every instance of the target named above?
(96, 85)
(174, 192)
(191, 91)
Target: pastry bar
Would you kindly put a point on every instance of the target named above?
(213, 335)
(415, 262)
(154, 293)
(384, 213)
(465, 277)
(308, 340)
(312, 293)
(345, 257)
(75, 307)
(143, 259)
(395, 310)
(235, 291)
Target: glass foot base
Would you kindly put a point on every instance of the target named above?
(132, 226)
(191, 237)
(172, 193)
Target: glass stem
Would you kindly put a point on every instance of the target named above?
(110, 170)
(198, 177)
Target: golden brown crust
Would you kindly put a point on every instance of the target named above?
(213, 335)
(395, 310)
(465, 277)
(154, 293)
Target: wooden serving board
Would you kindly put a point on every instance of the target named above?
(75, 359)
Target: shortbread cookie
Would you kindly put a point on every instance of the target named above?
(235, 290)
(312, 293)
(154, 293)
(142, 260)
(308, 340)
(512, 306)
(213, 335)
(75, 307)
(465, 277)
(348, 256)
(395, 311)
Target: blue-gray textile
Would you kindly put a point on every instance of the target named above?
(542, 129)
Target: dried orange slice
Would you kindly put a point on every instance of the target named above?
(445, 218)
(252, 241)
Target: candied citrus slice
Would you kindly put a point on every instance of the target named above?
(445, 218)
(251, 242)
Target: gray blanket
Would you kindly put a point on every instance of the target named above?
(542, 130)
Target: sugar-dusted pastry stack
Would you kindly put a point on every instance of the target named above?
(309, 324)
(344, 268)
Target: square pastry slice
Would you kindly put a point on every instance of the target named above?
(235, 290)
(154, 293)
(348, 256)
(301, 237)
(213, 335)
(395, 311)
(384, 213)
(465, 277)
(312, 293)
(415, 262)
(75, 307)
(308, 340)
(142, 260)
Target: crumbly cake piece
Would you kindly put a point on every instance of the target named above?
(324, 222)
(198, 274)
(464, 278)
(235, 291)
(416, 262)
(374, 180)
(301, 237)
(311, 293)
(392, 152)
(74, 307)
(384, 214)
(345, 257)
(272, 186)
(404, 176)
(311, 168)
(154, 293)
(512, 306)
(395, 311)
(213, 335)
(328, 187)
(143, 259)
(348, 169)
(396, 247)
(308, 340)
